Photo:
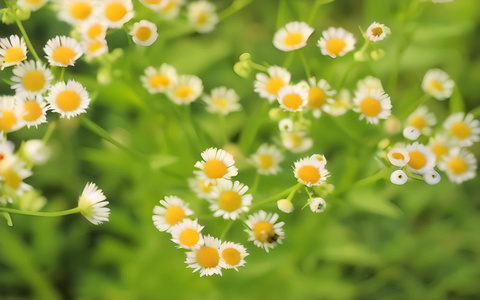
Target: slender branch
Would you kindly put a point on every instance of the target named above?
(277, 196)
(40, 213)
(305, 64)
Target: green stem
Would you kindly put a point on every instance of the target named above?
(314, 11)
(40, 213)
(62, 74)
(256, 181)
(374, 178)
(425, 97)
(278, 196)
(232, 9)
(226, 229)
(288, 60)
(223, 128)
(305, 64)
(48, 134)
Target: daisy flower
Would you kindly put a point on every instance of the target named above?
(222, 101)
(437, 84)
(92, 204)
(372, 105)
(171, 8)
(264, 231)
(185, 90)
(440, 145)
(173, 210)
(296, 141)
(69, 100)
(144, 33)
(292, 97)
(203, 188)
(422, 158)
(13, 172)
(207, 258)
(186, 234)
(422, 120)
(398, 177)
(13, 51)
(62, 51)
(268, 86)
(233, 255)
(318, 95)
(462, 128)
(216, 164)
(94, 29)
(229, 199)
(202, 16)
(116, 12)
(36, 151)
(75, 12)
(31, 4)
(157, 80)
(370, 83)
(336, 42)
(154, 4)
(267, 159)
(31, 109)
(377, 32)
(317, 204)
(293, 36)
(339, 104)
(31, 76)
(398, 156)
(311, 171)
(9, 117)
(460, 165)
(94, 48)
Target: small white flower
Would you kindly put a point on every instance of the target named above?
(10, 119)
(203, 188)
(92, 204)
(422, 158)
(296, 141)
(173, 210)
(158, 80)
(285, 205)
(222, 101)
(377, 32)
(320, 94)
(116, 12)
(144, 33)
(94, 48)
(292, 97)
(13, 51)
(267, 159)
(186, 234)
(463, 129)
(94, 29)
(338, 104)
(31, 109)
(13, 171)
(229, 199)
(373, 105)
(437, 84)
(459, 164)
(171, 8)
(422, 120)
(267, 86)
(31, 76)
(62, 51)
(412, 133)
(36, 151)
(233, 255)
(202, 15)
(285, 125)
(264, 231)
(292, 36)
(69, 100)
(440, 145)
(311, 171)
(207, 258)
(76, 12)
(398, 156)
(185, 90)
(216, 164)
(32, 4)
(398, 177)
(432, 177)
(317, 205)
(336, 42)
(370, 83)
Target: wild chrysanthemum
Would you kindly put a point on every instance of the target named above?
(438, 84)
(171, 8)
(370, 83)
(157, 80)
(377, 32)
(94, 29)
(339, 104)
(233, 255)
(292, 97)
(216, 164)
(32, 109)
(319, 95)
(264, 231)
(69, 100)
(422, 120)
(31, 76)
(317, 204)
(92, 204)
(13, 51)
(116, 12)
(459, 164)
(76, 12)
(421, 157)
(463, 129)
(373, 105)
(440, 145)
(202, 15)
(296, 141)
(292, 36)
(398, 156)
(9, 117)
(185, 90)
(207, 258)
(94, 48)
(186, 234)
(172, 211)
(13, 171)
(267, 159)
(336, 42)
(267, 86)
(144, 33)
(311, 171)
(203, 188)
(32, 4)
(222, 101)
(62, 51)
(229, 199)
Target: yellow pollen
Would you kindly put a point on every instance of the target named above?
(457, 166)
(207, 257)
(292, 101)
(439, 150)
(436, 85)
(63, 55)
(33, 81)
(215, 169)
(460, 130)
(11, 178)
(397, 155)
(263, 230)
(293, 39)
(94, 31)
(189, 237)
(13, 55)
(335, 46)
(115, 11)
(370, 107)
(308, 174)
(418, 122)
(157, 81)
(68, 100)
(174, 215)
(183, 91)
(7, 120)
(231, 256)
(202, 18)
(274, 84)
(417, 160)
(316, 97)
(143, 33)
(266, 161)
(80, 11)
(229, 201)
(94, 46)
(32, 111)
(377, 31)
(220, 102)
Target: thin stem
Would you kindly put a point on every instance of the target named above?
(223, 128)
(62, 74)
(305, 64)
(226, 229)
(256, 181)
(277, 196)
(235, 7)
(48, 134)
(374, 178)
(288, 60)
(40, 213)
(425, 97)
(315, 8)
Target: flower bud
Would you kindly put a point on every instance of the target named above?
(317, 205)
(285, 205)
(398, 177)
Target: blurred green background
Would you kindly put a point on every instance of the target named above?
(379, 241)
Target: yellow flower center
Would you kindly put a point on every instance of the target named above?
(370, 107)
(308, 174)
(183, 91)
(7, 120)
(231, 256)
(266, 161)
(220, 102)
(33, 1)
(68, 100)
(316, 97)
(207, 257)
(80, 11)
(33, 81)
(63, 55)
(174, 215)
(436, 85)
(202, 18)
(157, 81)
(376, 31)
(215, 168)
(397, 155)
(115, 11)
(94, 46)
(418, 122)
(293, 39)
(189, 237)
(292, 101)
(11, 178)
(143, 33)
(439, 150)
(170, 5)
(274, 84)
(206, 188)
(263, 230)
(460, 130)
(94, 31)
(457, 165)
(31, 111)
(335, 46)
(13, 55)
(417, 160)
(229, 201)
